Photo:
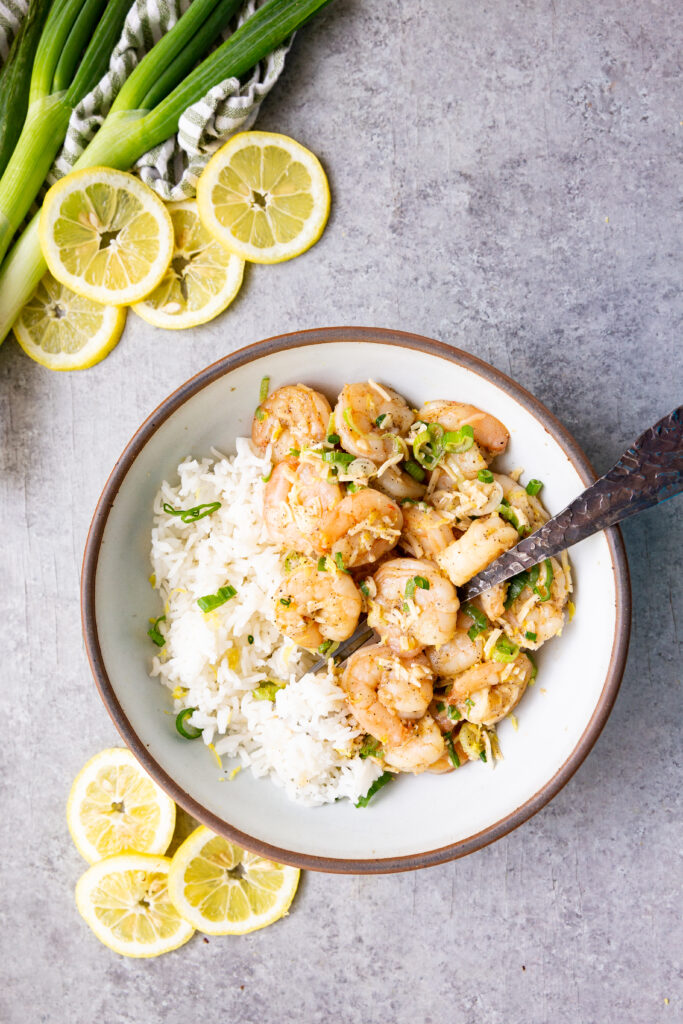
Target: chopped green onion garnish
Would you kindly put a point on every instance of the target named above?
(295, 452)
(322, 564)
(211, 601)
(480, 621)
(259, 414)
(482, 755)
(504, 650)
(187, 731)
(374, 788)
(380, 419)
(505, 512)
(533, 487)
(530, 636)
(333, 438)
(440, 706)
(543, 597)
(340, 561)
(192, 515)
(263, 390)
(267, 691)
(459, 441)
(348, 419)
(267, 478)
(292, 559)
(519, 582)
(453, 713)
(338, 458)
(415, 470)
(325, 646)
(371, 747)
(250, 639)
(428, 445)
(534, 668)
(353, 488)
(364, 588)
(286, 601)
(452, 755)
(154, 634)
(485, 476)
(469, 704)
(416, 581)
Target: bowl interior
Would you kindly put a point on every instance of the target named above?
(414, 816)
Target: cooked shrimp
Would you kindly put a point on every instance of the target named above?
(355, 419)
(492, 601)
(362, 527)
(458, 653)
(296, 501)
(480, 545)
(398, 484)
(408, 616)
(386, 693)
(529, 614)
(312, 606)
(291, 417)
(489, 432)
(486, 692)
(425, 531)
(420, 750)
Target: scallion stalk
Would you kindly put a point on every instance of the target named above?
(15, 78)
(129, 131)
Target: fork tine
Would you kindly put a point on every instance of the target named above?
(347, 647)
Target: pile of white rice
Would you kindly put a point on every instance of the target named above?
(304, 740)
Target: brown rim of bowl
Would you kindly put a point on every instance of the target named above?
(342, 865)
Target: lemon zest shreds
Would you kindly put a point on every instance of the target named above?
(215, 754)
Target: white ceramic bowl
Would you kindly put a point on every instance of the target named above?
(419, 820)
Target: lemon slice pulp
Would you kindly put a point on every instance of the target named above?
(202, 279)
(114, 806)
(264, 196)
(124, 899)
(106, 235)
(222, 889)
(65, 331)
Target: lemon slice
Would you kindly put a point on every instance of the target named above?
(64, 331)
(106, 235)
(125, 900)
(202, 280)
(222, 889)
(264, 197)
(114, 807)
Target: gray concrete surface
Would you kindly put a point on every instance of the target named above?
(504, 179)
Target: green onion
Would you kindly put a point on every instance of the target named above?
(505, 512)
(450, 748)
(267, 690)
(192, 515)
(286, 601)
(469, 704)
(352, 488)
(380, 419)
(292, 559)
(212, 601)
(364, 588)
(187, 731)
(263, 390)
(485, 476)
(543, 597)
(530, 636)
(534, 669)
(374, 788)
(459, 441)
(371, 747)
(338, 458)
(428, 446)
(481, 623)
(333, 438)
(259, 414)
(322, 564)
(482, 755)
(533, 487)
(15, 78)
(416, 581)
(267, 478)
(139, 118)
(504, 650)
(519, 582)
(415, 470)
(325, 646)
(153, 632)
(340, 562)
(348, 419)
(295, 452)
(453, 713)
(440, 706)
(250, 639)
